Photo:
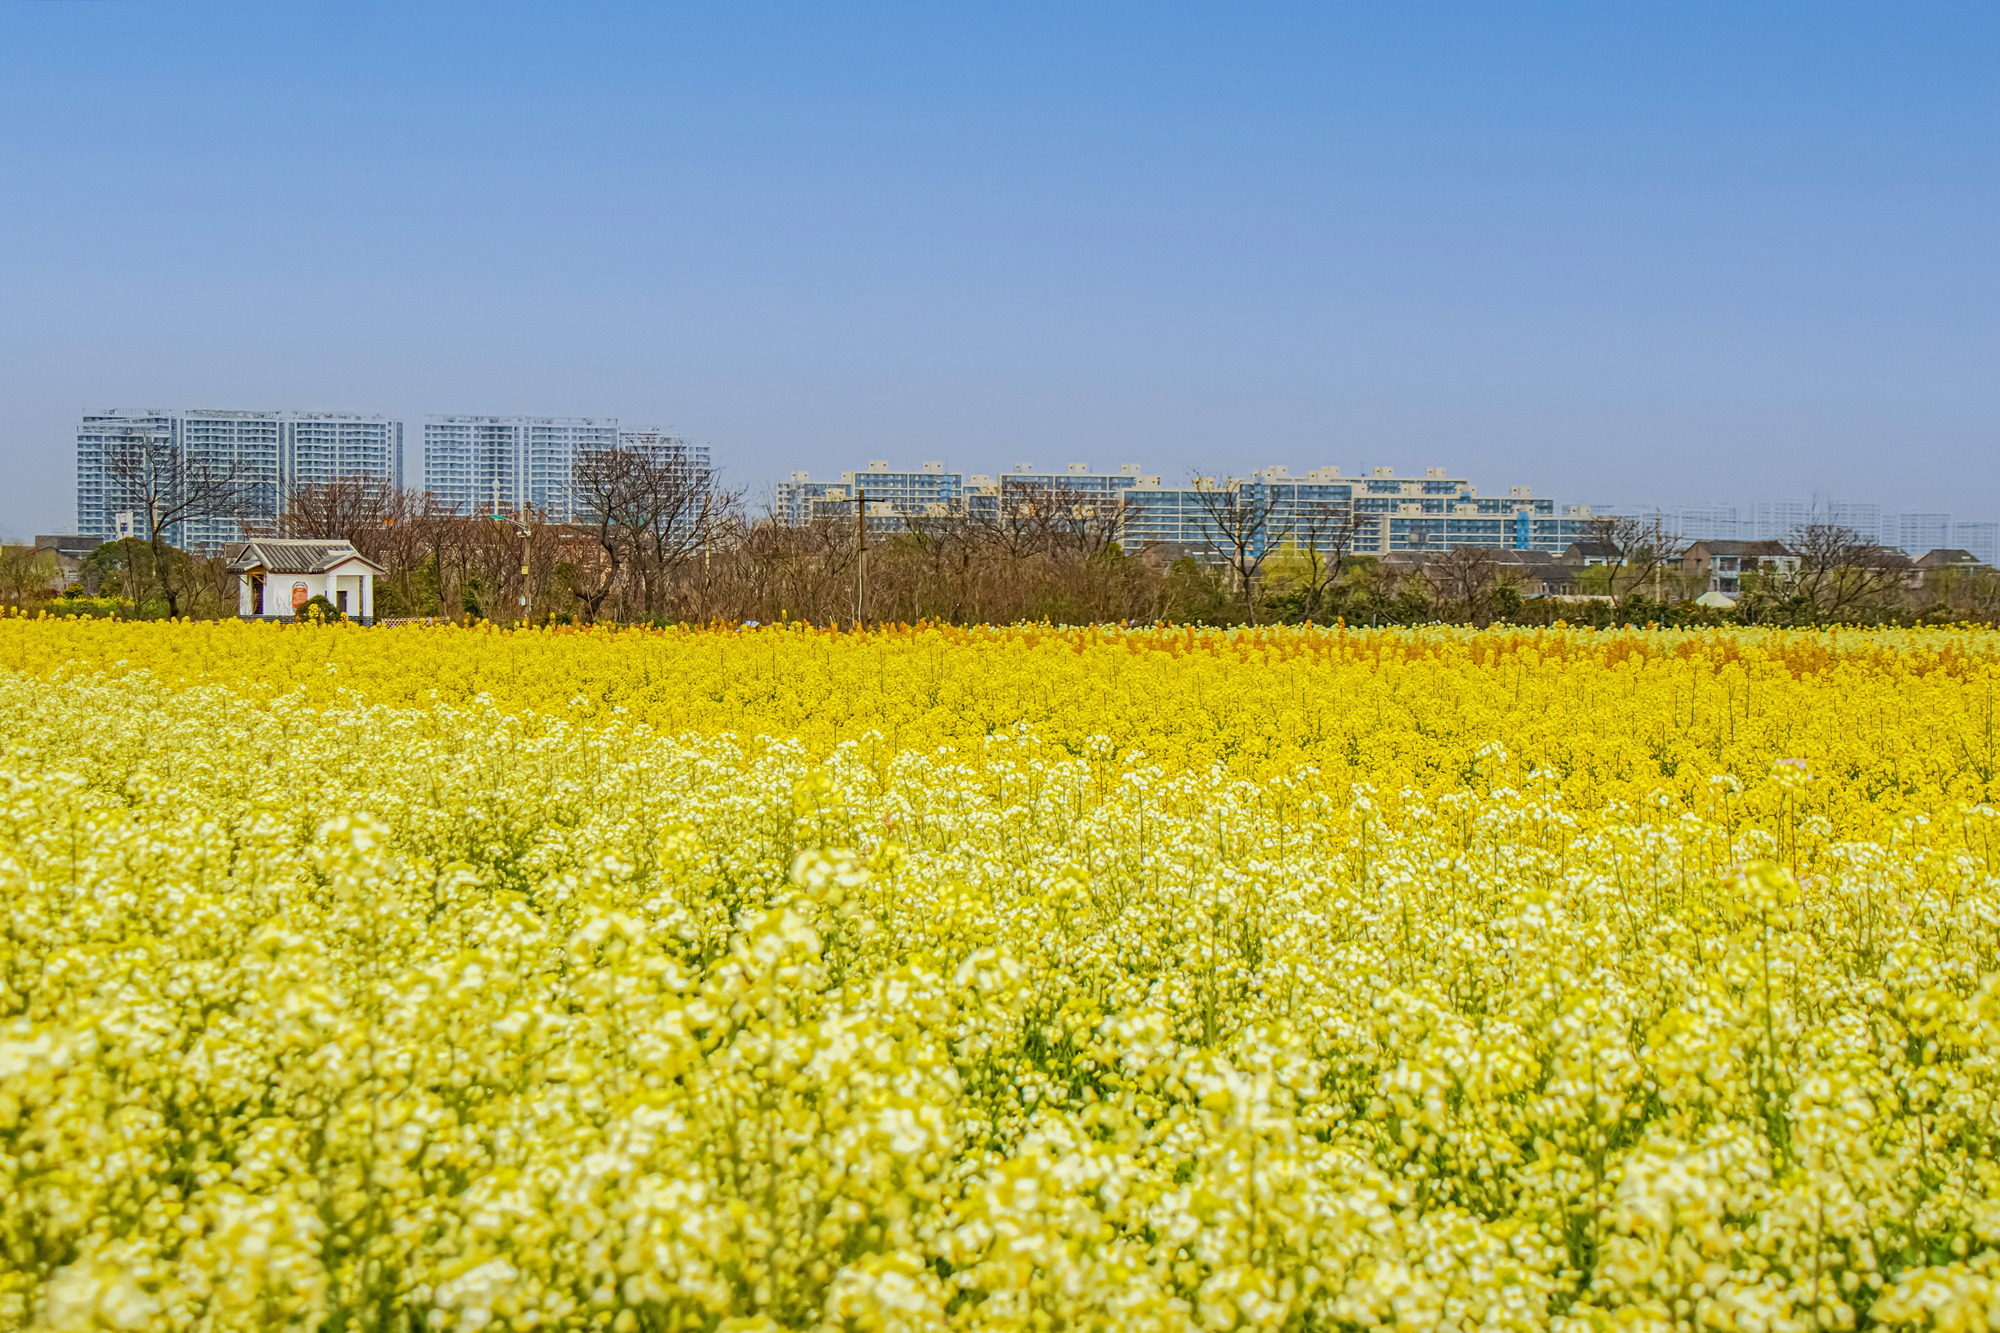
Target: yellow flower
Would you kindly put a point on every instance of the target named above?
(999, 978)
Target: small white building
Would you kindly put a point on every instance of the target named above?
(276, 577)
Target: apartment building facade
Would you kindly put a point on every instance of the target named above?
(504, 464)
(319, 447)
(262, 454)
(1919, 533)
(101, 493)
(1980, 540)
(926, 490)
(1913, 532)
(1378, 514)
(665, 448)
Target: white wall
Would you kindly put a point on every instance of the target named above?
(359, 587)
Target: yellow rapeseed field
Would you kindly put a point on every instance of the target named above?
(763, 979)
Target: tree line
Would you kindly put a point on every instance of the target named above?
(655, 538)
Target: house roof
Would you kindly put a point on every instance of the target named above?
(1503, 558)
(1726, 547)
(284, 555)
(1946, 555)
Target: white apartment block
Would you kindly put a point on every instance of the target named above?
(1915, 533)
(246, 445)
(930, 491)
(905, 492)
(1383, 513)
(665, 448)
(328, 446)
(1861, 516)
(1982, 540)
(100, 495)
(1775, 520)
(1388, 513)
(265, 454)
(1918, 534)
(496, 464)
(1713, 521)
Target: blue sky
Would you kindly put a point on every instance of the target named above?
(1641, 253)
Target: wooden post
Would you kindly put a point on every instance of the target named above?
(860, 550)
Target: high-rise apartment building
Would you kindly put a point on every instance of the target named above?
(101, 493)
(792, 499)
(261, 455)
(246, 446)
(1775, 520)
(1982, 540)
(665, 448)
(1859, 516)
(320, 447)
(1919, 533)
(481, 464)
(1778, 520)
(1713, 521)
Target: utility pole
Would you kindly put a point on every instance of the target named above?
(521, 531)
(524, 573)
(1656, 557)
(860, 550)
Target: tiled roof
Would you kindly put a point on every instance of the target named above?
(281, 555)
(1725, 546)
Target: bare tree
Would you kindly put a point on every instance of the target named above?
(26, 574)
(1244, 527)
(453, 553)
(1019, 522)
(404, 539)
(606, 487)
(804, 573)
(1840, 575)
(1962, 594)
(673, 517)
(341, 509)
(943, 568)
(212, 589)
(1641, 552)
(1465, 579)
(1085, 525)
(1323, 533)
(399, 530)
(167, 489)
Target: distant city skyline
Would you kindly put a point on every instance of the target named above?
(1914, 531)
(1655, 254)
(472, 460)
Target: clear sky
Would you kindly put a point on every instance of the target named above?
(1643, 253)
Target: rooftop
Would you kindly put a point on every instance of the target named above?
(285, 555)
